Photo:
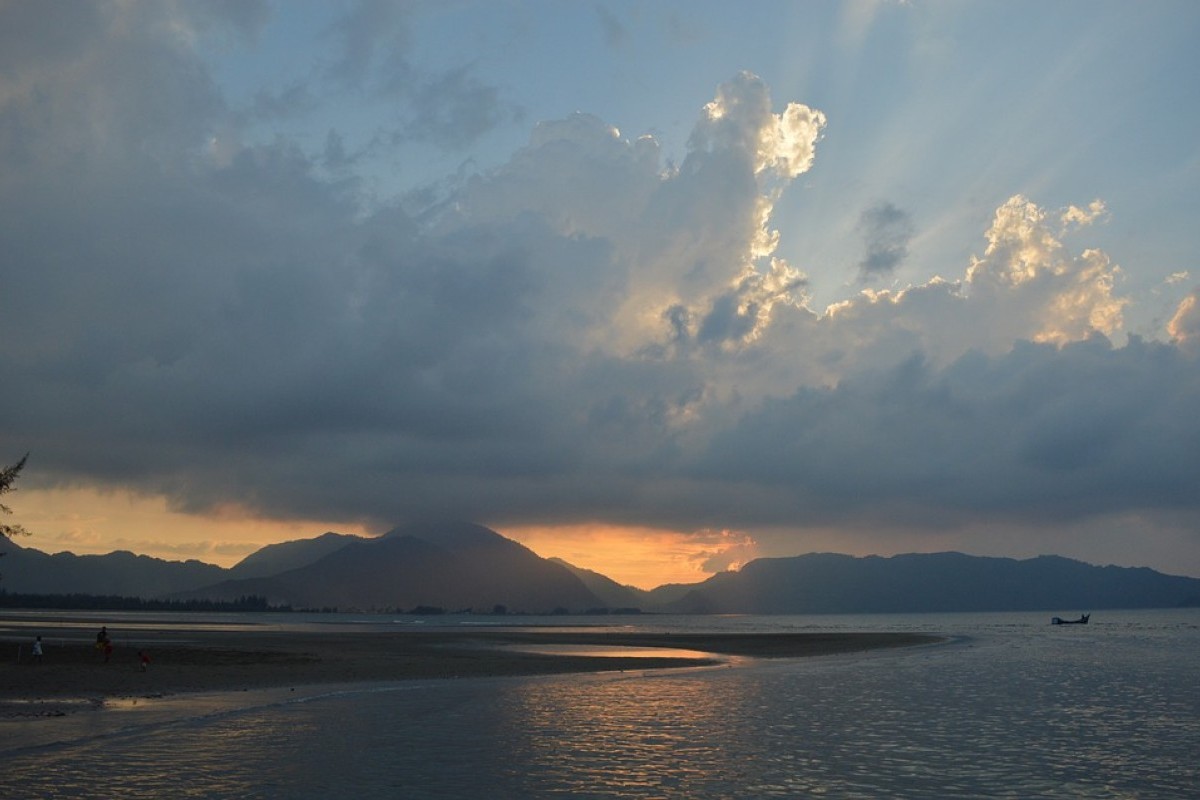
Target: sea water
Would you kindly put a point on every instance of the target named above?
(1008, 706)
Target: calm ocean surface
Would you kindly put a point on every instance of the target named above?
(1010, 707)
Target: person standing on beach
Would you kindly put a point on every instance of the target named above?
(37, 650)
(144, 658)
(103, 643)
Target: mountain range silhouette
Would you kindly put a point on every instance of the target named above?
(460, 566)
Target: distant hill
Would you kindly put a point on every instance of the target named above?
(453, 566)
(611, 593)
(828, 583)
(25, 569)
(457, 565)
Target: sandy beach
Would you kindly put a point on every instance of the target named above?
(73, 675)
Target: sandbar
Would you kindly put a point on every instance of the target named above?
(73, 675)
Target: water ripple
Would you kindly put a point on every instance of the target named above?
(1009, 714)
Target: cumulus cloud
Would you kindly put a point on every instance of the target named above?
(1184, 327)
(1026, 270)
(740, 120)
(1076, 216)
(582, 332)
(723, 550)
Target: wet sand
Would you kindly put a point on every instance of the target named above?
(72, 674)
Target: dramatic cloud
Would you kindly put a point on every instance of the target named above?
(1040, 432)
(1025, 269)
(740, 121)
(1185, 325)
(583, 332)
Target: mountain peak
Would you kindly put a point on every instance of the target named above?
(448, 565)
(450, 534)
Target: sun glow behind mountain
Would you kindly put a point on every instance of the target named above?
(86, 521)
(636, 556)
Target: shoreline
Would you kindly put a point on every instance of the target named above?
(73, 676)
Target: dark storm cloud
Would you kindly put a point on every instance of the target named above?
(231, 327)
(1038, 433)
(886, 232)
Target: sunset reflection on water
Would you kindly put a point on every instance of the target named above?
(613, 651)
(619, 737)
(1006, 711)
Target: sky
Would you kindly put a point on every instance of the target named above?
(657, 288)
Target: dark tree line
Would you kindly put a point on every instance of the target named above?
(79, 602)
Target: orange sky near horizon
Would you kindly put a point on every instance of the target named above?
(90, 521)
(87, 521)
(638, 556)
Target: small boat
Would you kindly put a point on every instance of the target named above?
(1083, 620)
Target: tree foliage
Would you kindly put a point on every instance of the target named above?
(8, 475)
(79, 601)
